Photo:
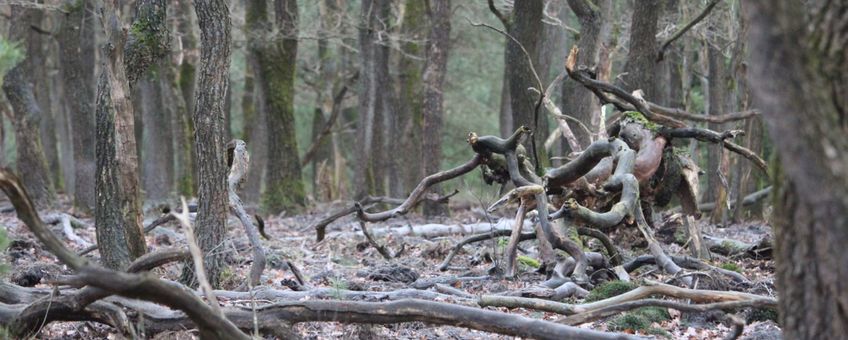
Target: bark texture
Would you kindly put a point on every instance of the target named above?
(32, 163)
(438, 45)
(76, 50)
(577, 100)
(641, 65)
(410, 100)
(798, 77)
(284, 190)
(527, 28)
(157, 157)
(210, 146)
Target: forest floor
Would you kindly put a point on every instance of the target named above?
(344, 260)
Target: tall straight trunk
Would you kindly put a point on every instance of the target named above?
(157, 152)
(118, 207)
(326, 89)
(187, 79)
(210, 146)
(716, 94)
(438, 45)
(410, 101)
(505, 114)
(799, 78)
(182, 135)
(527, 28)
(641, 65)
(370, 166)
(31, 163)
(576, 99)
(256, 22)
(41, 63)
(284, 190)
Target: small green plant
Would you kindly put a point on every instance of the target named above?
(338, 284)
(730, 266)
(653, 314)
(658, 332)
(609, 289)
(529, 261)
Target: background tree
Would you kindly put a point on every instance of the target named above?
(284, 188)
(798, 77)
(438, 46)
(76, 49)
(31, 163)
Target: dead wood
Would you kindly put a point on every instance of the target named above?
(373, 242)
(238, 170)
(611, 310)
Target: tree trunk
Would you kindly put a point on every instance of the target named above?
(32, 163)
(284, 189)
(640, 67)
(716, 96)
(187, 80)
(118, 207)
(369, 178)
(410, 94)
(526, 27)
(576, 99)
(157, 152)
(438, 46)
(799, 74)
(39, 65)
(210, 147)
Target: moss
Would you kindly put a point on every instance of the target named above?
(762, 314)
(609, 289)
(639, 319)
(638, 117)
(628, 321)
(730, 266)
(284, 195)
(529, 261)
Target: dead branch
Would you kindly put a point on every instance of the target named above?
(335, 112)
(611, 310)
(321, 225)
(748, 200)
(478, 238)
(373, 242)
(686, 262)
(238, 169)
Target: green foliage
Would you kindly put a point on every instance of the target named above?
(10, 55)
(640, 319)
(730, 266)
(659, 332)
(529, 261)
(609, 289)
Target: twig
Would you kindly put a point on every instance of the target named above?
(197, 257)
(380, 248)
(504, 20)
(600, 313)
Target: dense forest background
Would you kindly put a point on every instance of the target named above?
(234, 169)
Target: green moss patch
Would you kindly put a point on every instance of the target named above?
(610, 289)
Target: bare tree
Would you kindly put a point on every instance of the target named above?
(284, 188)
(641, 65)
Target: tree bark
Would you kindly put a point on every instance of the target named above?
(31, 163)
(640, 67)
(210, 147)
(438, 46)
(370, 158)
(799, 74)
(118, 207)
(527, 28)
(577, 100)
(410, 94)
(716, 158)
(284, 190)
(186, 83)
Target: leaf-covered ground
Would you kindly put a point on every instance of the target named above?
(345, 261)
